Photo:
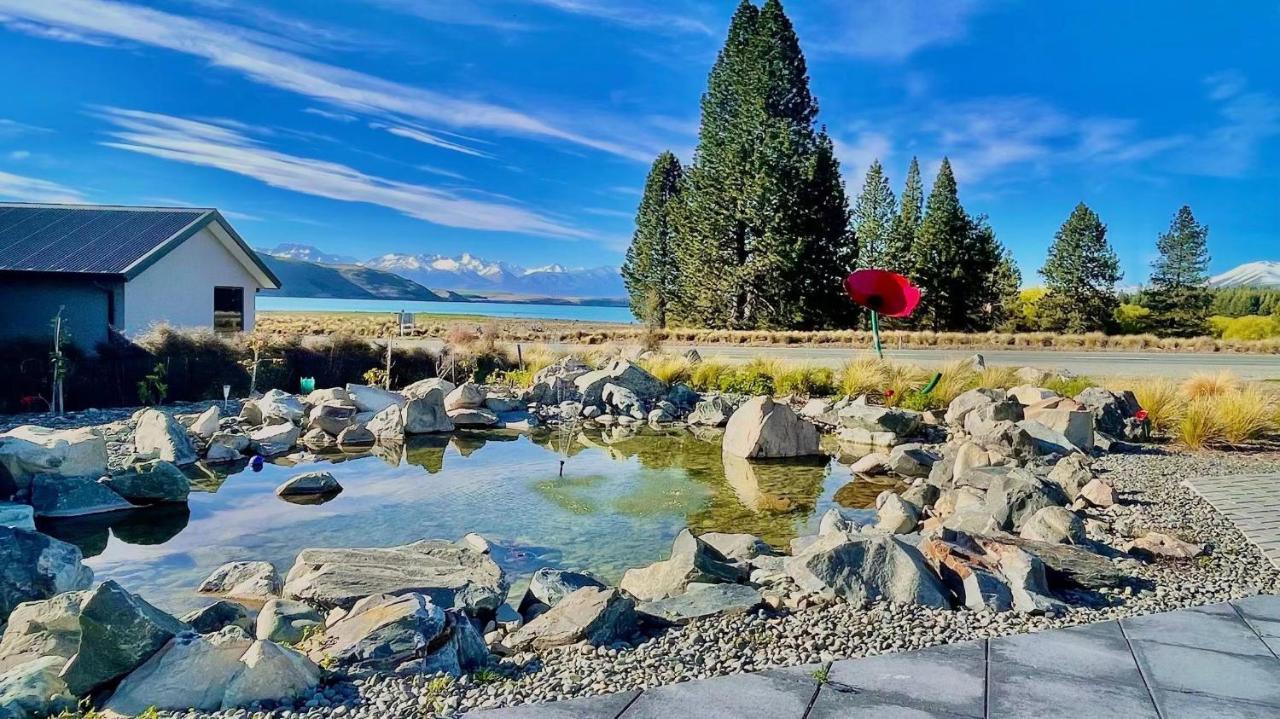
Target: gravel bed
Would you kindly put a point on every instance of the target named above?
(1152, 496)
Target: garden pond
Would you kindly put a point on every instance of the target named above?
(623, 497)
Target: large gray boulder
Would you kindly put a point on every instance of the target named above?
(275, 439)
(118, 632)
(246, 580)
(715, 600)
(548, 586)
(1071, 473)
(331, 417)
(205, 424)
(373, 399)
(20, 461)
(286, 621)
(712, 412)
(271, 673)
(160, 436)
(967, 402)
(874, 419)
(1018, 494)
(591, 614)
(45, 628)
(82, 451)
(53, 496)
(451, 574)
(423, 387)
(387, 424)
(737, 547)
(622, 373)
(35, 689)
(35, 566)
(691, 560)
(1056, 525)
(405, 633)
(309, 484)
(217, 616)
(467, 395)
(151, 482)
(477, 417)
(911, 460)
(280, 405)
(17, 516)
(762, 428)
(1075, 425)
(425, 413)
(894, 515)
(226, 447)
(1113, 412)
(864, 569)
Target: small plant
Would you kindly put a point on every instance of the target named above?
(374, 377)
(309, 632)
(328, 662)
(822, 674)
(1069, 387)
(487, 675)
(153, 387)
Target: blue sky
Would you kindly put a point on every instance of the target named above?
(521, 130)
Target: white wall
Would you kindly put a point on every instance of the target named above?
(178, 288)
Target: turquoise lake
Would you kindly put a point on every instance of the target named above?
(581, 313)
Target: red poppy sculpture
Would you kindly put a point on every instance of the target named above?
(883, 293)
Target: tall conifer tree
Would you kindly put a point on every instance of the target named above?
(650, 271)
(1179, 295)
(1080, 275)
(874, 212)
(906, 223)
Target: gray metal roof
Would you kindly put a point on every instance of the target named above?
(99, 239)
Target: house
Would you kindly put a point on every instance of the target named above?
(123, 268)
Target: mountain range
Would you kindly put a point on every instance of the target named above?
(1251, 274)
(310, 272)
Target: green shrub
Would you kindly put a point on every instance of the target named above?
(1251, 327)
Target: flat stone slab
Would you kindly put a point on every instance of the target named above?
(1251, 502)
(608, 706)
(764, 694)
(944, 680)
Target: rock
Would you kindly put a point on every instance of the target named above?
(82, 451)
(250, 414)
(34, 566)
(285, 621)
(275, 439)
(44, 628)
(1006, 438)
(118, 632)
(401, 633)
(712, 412)
(476, 542)
(1067, 566)
(716, 600)
(548, 586)
(387, 424)
(467, 395)
(151, 482)
(1075, 425)
(622, 373)
(1055, 525)
(17, 516)
(691, 560)
(591, 614)
(737, 547)
(355, 436)
(226, 447)
(309, 483)
(278, 404)
(21, 460)
(911, 460)
(1029, 394)
(373, 399)
(218, 616)
(967, 402)
(621, 399)
(160, 436)
(35, 689)
(1098, 493)
(820, 411)
(1047, 441)
(920, 495)
(1025, 576)
(53, 496)
(271, 673)
(247, 580)
(874, 463)
(1112, 411)
(761, 428)
(425, 413)
(329, 394)
(894, 515)
(835, 521)
(478, 417)
(1071, 473)
(423, 387)
(861, 438)
(1157, 544)
(1016, 495)
(331, 417)
(318, 440)
(191, 671)
(450, 574)
(967, 572)
(990, 412)
(901, 422)
(864, 569)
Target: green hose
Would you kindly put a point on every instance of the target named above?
(937, 377)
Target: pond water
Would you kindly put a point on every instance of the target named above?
(621, 501)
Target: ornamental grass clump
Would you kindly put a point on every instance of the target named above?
(1200, 424)
(1205, 384)
(1162, 399)
(1245, 415)
(668, 368)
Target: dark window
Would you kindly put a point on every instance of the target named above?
(228, 309)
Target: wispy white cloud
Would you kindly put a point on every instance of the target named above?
(1248, 118)
(260, 58)
(891, 30)
(13, 128)
(428, 138)
(442, 172)
(857, 154)
(344, 117)
(649, 15)
(200, 143)
(32, 189)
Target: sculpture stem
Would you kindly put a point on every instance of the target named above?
(875, 333)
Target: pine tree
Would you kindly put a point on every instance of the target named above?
(873, 216)
(762, 237)
(937, 252)
(1006, 283)
(1179, 295)
(1080, 275)
(906, 222)
(650, 271)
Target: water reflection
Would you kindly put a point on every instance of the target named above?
(624, 495)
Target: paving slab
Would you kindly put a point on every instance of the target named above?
(946, 680)
(1222, 674)
(1216, 626)
(1021, 692)
(1250, 501)
(1092, 651)
(836, 704)
(1181, 705)
(739, 696)
(608, 706)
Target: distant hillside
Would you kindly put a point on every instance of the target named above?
(1251, 274)
(468, 273)
(348, 282)
(307, 253)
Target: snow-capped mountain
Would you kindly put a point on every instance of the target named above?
(1250, 274)
(468, 273)
(307, 253)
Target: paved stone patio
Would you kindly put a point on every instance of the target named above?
(1215, 661)
(1251, 502)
